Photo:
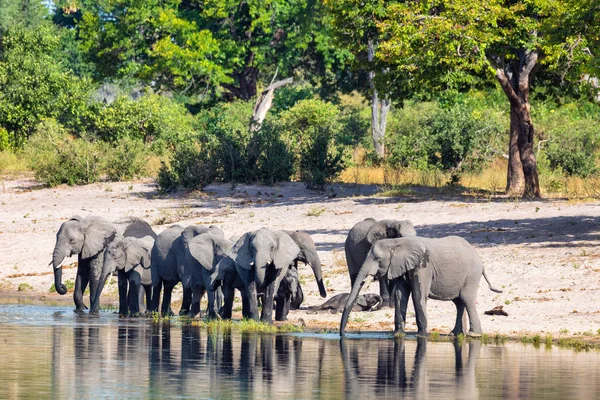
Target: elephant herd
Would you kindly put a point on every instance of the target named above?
(263, 265)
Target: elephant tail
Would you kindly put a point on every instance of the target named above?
(493, 289)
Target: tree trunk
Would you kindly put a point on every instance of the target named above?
(522, 177)
(264, 103)
(379, 109)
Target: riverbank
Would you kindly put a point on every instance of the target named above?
(543, 254)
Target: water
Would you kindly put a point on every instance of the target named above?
(48, 352)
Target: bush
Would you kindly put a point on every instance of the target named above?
(274, 162)
(57, 158)
(192, 167)
(125, 160)
(310, 129)
(454, 139)
(226, 126)
(572, 133)
(151, 119)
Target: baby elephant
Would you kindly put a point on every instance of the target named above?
(447, 268)
(364, 302)
(130, 257)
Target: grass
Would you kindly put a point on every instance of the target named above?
(315, 211)
(227, 325)
(489, 183)
(70, 284)
(24, 287)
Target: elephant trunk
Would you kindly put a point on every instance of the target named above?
(57, 259)
(366, 270)
(315, 264)
(95, 306)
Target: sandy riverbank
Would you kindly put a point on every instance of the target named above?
(543, 254)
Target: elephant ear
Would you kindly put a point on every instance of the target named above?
(376, 232)
(136, 254)
(402, 229)
(98, 234)
(407, 255)
(360, 300)
(242, 252)
(201, 248)
(287, 250)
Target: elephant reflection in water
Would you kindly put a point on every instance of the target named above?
(392, 373)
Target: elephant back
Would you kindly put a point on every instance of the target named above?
(134, 227)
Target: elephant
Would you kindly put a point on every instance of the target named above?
(262, 259)
(288, 295)
(88, 237)
(284, 300)
(168, 259)
(202, 254)
(446, 269)
(131, 258)
(225, 275)
(364, 302)
(360, 239)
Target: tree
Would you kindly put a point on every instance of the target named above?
(445, 44)
(221, 46)
(356, 30)
(34, 85)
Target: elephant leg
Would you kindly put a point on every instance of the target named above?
(419, 295)
(213, 307)
(228, 295)
(252, 297)
(384, 291)
(166, 303)
(197, 293)
(81, 282)
(245, 306)
(123, 301)
(141, 300)
(267, 307)
(186, 303)
(95, 276)
(279, 307)
(296, 302)
(148, 302)
(474, 323)
(287, 302)
(156, 289)
(134, 294)
(460, 310)
(400, 303)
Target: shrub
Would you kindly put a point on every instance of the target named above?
(56, 157)
(572, 133)
(151, 119)
(126, 160)
(192, 167)
(310, 129)
(226, 126)
(454, 139)
(274, 162)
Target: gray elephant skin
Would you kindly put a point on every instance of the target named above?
(88, 238)
(336, 304)
(262, 259)
(361, 238)
(202, 254)
(289, 295)
(308, 255)
(130, 257)
(446, 269)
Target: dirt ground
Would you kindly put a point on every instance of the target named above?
(543, 254)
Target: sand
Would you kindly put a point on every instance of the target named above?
(543, 254)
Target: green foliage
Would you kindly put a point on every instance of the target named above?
(34, 85)
(310, 128)
(57, 158)
(192, 167)
(4, 139)
(457, 138)
(69, 284)
(275, 161)
(151, 118)
(126, 160)
(572, 135)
